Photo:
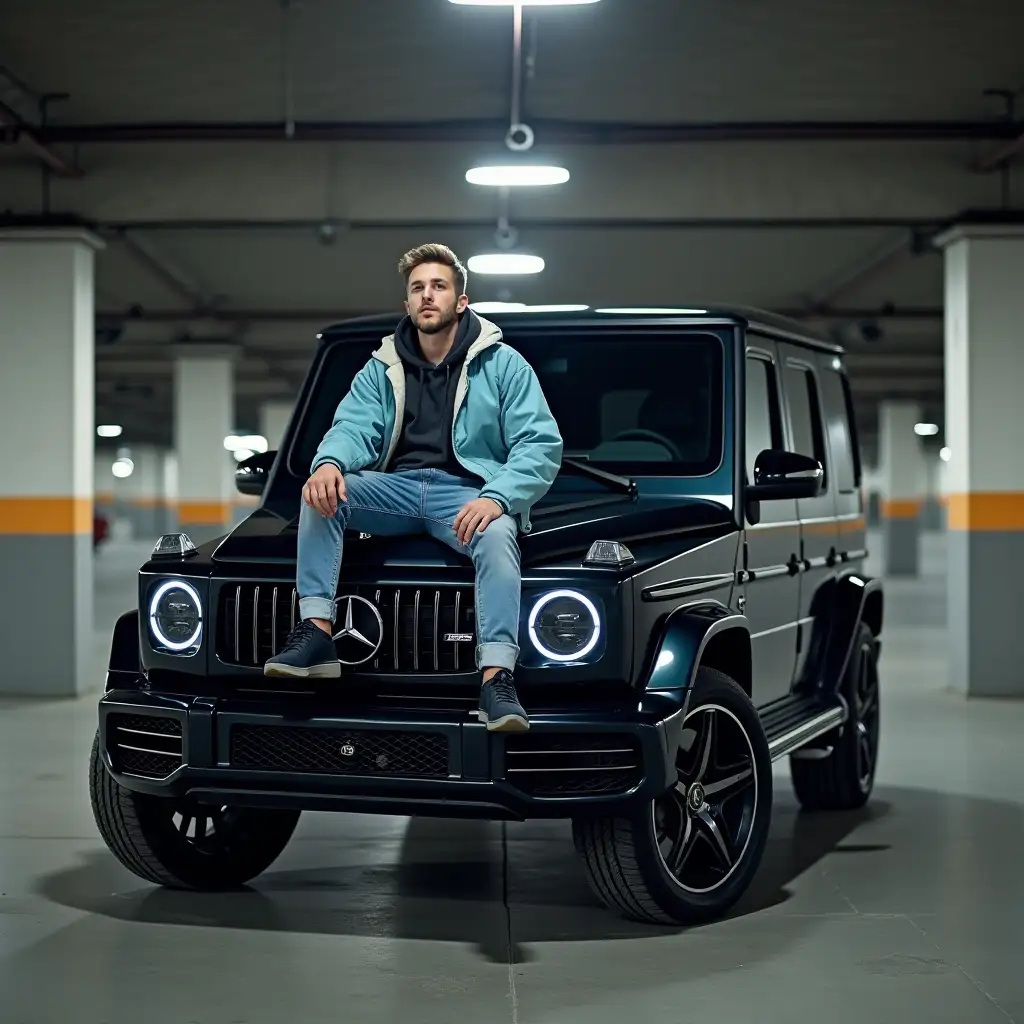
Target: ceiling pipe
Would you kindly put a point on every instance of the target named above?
(19, 132)
(550, 131)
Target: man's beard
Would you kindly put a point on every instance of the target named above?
(442, 322)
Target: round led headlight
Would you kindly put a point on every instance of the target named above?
(176, 616)
(565, 625)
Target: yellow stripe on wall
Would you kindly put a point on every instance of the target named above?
(906, 508)
(988, 511)
(204, 513)
(45, 516)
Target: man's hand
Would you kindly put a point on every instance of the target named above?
(324, 489)
(474, 516)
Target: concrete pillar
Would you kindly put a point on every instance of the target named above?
(169, 484)
(103, 482)
(985, 434)
(902, 466)
(932, 516)
(203, 417)
(274, 417)
(47, 436)
(141, 493)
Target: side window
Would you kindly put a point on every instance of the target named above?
(842, 431)
(805, 412)
(764, 426)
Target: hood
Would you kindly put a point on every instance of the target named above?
(269, 537)
(480, 334)
(408, 348)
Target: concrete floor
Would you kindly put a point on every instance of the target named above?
(914, 906)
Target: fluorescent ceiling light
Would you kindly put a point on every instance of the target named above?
(945, 454)
(505, 263)
(521, 176)
(926, 429)
(123, 468)
(523, 3)
(522, 307)
(664, 311)
(109, 430)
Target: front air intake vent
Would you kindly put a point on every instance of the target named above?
(427, 630)
(591, 764)
(340, 751)
(144, 745)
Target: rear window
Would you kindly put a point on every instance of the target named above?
(643, 403)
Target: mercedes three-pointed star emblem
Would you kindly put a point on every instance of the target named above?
(362, 631)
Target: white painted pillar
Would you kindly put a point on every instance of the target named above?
(985, 434)
(47, 440)
(903, 476)
(274, 417)
(203, 417)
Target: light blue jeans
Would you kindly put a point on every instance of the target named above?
(411, 502)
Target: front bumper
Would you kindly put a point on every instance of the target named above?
(263, 754)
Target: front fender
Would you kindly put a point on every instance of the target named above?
(839, 607)
(124, 665)
(686, 636)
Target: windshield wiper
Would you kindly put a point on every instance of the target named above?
(620, 483)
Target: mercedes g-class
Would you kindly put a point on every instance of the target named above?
(694, 607)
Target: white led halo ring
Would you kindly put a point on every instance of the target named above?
(155, 600)
(575, 595)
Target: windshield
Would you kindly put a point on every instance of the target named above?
(635, 404)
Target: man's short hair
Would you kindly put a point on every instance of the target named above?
(433, 252)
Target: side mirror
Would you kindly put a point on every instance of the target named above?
(780, 475)
(251, 473)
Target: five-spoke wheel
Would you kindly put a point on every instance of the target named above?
(693, 852)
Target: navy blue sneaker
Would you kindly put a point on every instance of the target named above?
(308, 653)
(499, 705)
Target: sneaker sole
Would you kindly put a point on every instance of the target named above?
(507, 723)
(329, 670)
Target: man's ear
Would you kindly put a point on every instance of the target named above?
(462, 303)
(407, 310)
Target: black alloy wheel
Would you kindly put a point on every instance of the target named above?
(843, 778)
(693, 851)
(182, 844)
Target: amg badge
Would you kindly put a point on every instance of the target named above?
(347, 750)
(458, 638)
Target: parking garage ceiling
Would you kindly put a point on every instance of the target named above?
(257, 166)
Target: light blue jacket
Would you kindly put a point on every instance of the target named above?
(503, 430)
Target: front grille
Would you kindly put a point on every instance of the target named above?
(419, 626)
(339, 751)
(144, 744)
(546, 765)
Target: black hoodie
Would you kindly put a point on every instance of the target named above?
(426, 440)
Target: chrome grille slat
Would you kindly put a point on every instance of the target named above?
(416, 632)
(458, 598)
(273, 623)
(600, 768)
(396, 626)
(147, 750)
(256, 626)
(238, 623)
(534, 753)
(437, 630)
(143, 732)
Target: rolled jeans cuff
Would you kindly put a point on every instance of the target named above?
(497, 656)
(317, 608)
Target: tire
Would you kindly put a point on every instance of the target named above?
(844, 780)
(149, 835)
(626, 859)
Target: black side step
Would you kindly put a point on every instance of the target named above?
(791, 722)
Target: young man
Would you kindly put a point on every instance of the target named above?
(446, 431)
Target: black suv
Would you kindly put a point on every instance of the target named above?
(705, 535)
